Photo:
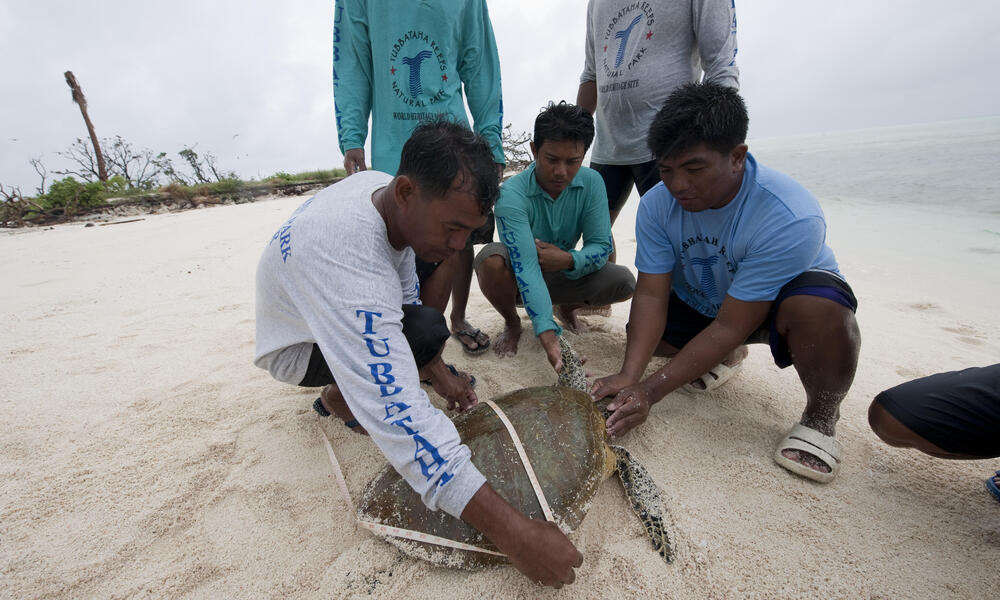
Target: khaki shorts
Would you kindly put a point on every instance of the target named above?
(612, 283)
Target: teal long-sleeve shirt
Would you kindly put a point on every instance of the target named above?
(402, 62)
(525, 212)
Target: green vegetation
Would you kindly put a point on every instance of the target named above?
(68, 197)
(282, 177)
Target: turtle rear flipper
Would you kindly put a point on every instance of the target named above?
(645, 499)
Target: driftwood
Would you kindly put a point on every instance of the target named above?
(120, 222)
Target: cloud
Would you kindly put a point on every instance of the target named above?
(164, 75)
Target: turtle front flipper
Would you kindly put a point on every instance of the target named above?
(645, 499)
(572, 374)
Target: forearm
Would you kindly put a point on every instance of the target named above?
(352, 91)
(586, 96)
(516, 235)
(715, 30)
(647, 320)
(490, 514)
(481, 78)
(697, 357)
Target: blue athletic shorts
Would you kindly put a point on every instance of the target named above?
(684, 322)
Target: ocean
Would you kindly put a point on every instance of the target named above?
(949, 165)
(917, 205)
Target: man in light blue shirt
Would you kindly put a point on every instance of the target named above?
(730, 252)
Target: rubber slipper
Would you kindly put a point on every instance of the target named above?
(992, 487)
(471, 333)
(715, 378)
(808, 440)
(454, 371)
(321, 410)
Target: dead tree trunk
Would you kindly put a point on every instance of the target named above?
(81, 101)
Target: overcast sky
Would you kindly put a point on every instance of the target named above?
(251, 81)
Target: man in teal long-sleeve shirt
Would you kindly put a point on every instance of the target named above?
(402, 63)
(542, 213)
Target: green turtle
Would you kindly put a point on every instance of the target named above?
(563, 436)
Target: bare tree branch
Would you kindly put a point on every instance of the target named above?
(42, 172)
(515, 149)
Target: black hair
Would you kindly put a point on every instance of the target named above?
(698, 113)
(442, 153)
(563, 122)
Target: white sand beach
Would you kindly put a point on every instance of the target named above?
(144, 455)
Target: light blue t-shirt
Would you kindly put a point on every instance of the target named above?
(772, 231)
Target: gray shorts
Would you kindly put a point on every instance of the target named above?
(612, 283)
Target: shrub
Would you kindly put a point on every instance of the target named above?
(70, 194)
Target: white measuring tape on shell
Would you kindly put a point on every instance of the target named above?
(419, 536)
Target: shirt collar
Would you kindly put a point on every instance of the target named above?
(536, 190)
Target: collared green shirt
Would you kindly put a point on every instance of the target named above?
(525, 212)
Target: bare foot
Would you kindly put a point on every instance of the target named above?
(598, 311)
(804, 458)
(735, 357)
(569, 314)
(333, 402)
(505, 344)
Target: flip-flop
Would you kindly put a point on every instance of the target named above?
(808, 440)
(992, 486)
(454, 371)
(715, 378)
(472, 333)
(321, 410)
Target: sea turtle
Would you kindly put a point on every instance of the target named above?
(563, 436)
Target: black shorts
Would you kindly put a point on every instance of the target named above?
(684, 322)
(958, 411)
(483, 235)
(618, 180)
(425, 331)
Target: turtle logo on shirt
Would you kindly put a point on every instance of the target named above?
(626, 38)
(418, 69)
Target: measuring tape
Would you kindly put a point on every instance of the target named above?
(419, 536)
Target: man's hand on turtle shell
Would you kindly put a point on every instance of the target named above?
(544, 554)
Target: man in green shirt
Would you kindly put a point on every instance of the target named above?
(541, 215)
(401, 63)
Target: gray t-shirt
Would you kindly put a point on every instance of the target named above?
(639, 52)
(329, 276)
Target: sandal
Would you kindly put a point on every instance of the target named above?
(472, 334)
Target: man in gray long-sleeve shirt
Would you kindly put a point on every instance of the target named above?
(636, 54)
(337, 306)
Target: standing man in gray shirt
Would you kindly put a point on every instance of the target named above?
(636, 54)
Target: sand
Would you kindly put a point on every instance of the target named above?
(144, 455)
